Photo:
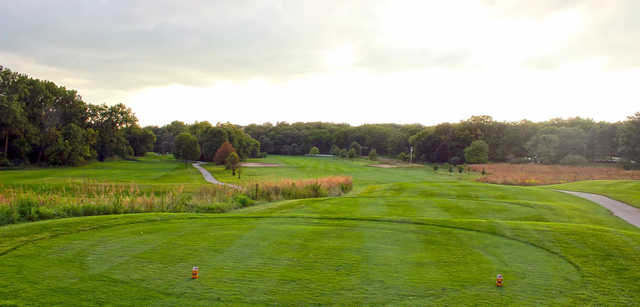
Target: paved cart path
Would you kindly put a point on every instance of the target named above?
(209, 178)
(619, 209)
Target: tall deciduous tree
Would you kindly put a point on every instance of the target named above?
(140, 140)
(630, 138)
(186, 147)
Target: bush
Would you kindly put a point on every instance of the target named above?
(629, 165)
(403, 156)
(572, 159)
(352, 153)
(335, 150)
(243, 200)
(314, 151)
(455, 160)
(4, 162)
(373, 155)
(460, 169)
(435, 167)
(344, 153)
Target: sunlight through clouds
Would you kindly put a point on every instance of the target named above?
(357, 62)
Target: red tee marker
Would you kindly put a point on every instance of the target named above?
(194, 272)
(499, 280)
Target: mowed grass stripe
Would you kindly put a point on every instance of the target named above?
(286, 261)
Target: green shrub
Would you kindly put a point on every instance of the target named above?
(352, 153)
(243, 200)
(373, 155)
(460, 169)
(314, 151)
(7, 215)
(629, 165)
(572, 159)
(4, 162)
(435, 167)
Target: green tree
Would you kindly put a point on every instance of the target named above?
(373, 155)
(629, 136)
(344, 153)
(356, 147)
(232, 162)
(211, 140)
(477, 152)
(352, 153)
(544, 148)
(140, 140)
(314, 151)
(11, 120)
(335, 150)
(186, 147)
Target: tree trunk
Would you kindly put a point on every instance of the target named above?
(6, 143)
(39, 155)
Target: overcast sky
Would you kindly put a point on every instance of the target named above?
(339, 61)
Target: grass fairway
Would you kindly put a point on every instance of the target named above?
(405, 236)
(627, 191)
(150, 170)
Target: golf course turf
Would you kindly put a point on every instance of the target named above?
(404, 236)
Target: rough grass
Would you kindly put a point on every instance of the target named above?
(538, 174)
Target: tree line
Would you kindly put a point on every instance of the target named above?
(572, 140)
(45, 124)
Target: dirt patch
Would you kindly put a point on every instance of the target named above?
(258, 164)
(383, 165)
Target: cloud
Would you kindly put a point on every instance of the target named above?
(113, 50)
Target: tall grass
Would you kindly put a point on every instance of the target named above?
(538, 174)
(296, 189)
(24, 203)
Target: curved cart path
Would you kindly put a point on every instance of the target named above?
(619, 209)
(209, 178)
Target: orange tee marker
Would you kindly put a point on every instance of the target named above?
(499, 280)
(194, 272)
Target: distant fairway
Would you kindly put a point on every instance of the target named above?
(404, 236)
(627, 191)
(151, 170)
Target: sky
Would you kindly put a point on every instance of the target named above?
(354, 62)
